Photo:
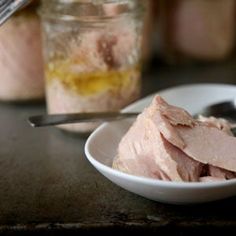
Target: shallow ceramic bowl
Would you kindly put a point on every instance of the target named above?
(101, 148)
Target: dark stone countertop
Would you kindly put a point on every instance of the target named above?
(47, 186)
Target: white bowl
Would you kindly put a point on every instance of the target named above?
(101, 148)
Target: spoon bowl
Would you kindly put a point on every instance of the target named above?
(224, 109)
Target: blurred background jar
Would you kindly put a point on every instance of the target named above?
(202, 30)
(150, 26)
(21, 63)
(92, 52)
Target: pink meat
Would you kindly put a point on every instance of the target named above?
(127, 32)
(209, 145)
(114, 47)
(141, 152)
(166, 143)
(201, 142)
(210, 179)
(145, 152)
(219, 123)
(167, 117)
(220, 173)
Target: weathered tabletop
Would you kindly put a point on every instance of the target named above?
(47, 185)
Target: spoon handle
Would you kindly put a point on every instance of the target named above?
(8, 7)
(58, 119)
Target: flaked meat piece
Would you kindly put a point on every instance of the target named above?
(219, 123)
(144, 151)
(105, 45)
(87, 57)
(225, 126)
(189, 169)
(210, 179)
(166, 117)
(165, 142)
(209, 145)
(175, 115)
(111, 48)
(201, 142)
(141, 152)
(220, 173)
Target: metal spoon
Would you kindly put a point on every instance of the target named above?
(58, 119)
(8, 7)
(226, 109)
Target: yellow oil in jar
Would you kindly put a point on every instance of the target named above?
(92, 82)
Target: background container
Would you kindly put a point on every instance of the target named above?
(202, 30)
(21, 63)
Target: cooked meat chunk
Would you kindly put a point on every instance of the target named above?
(166, 143)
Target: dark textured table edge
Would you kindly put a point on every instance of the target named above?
(118, 229)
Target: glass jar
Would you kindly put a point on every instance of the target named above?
(201, 30)
(92, 51)
(21, 61)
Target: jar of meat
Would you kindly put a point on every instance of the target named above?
(92, 51)
(21, 61)
(200, 30)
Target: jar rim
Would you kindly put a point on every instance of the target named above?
(128, 7)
